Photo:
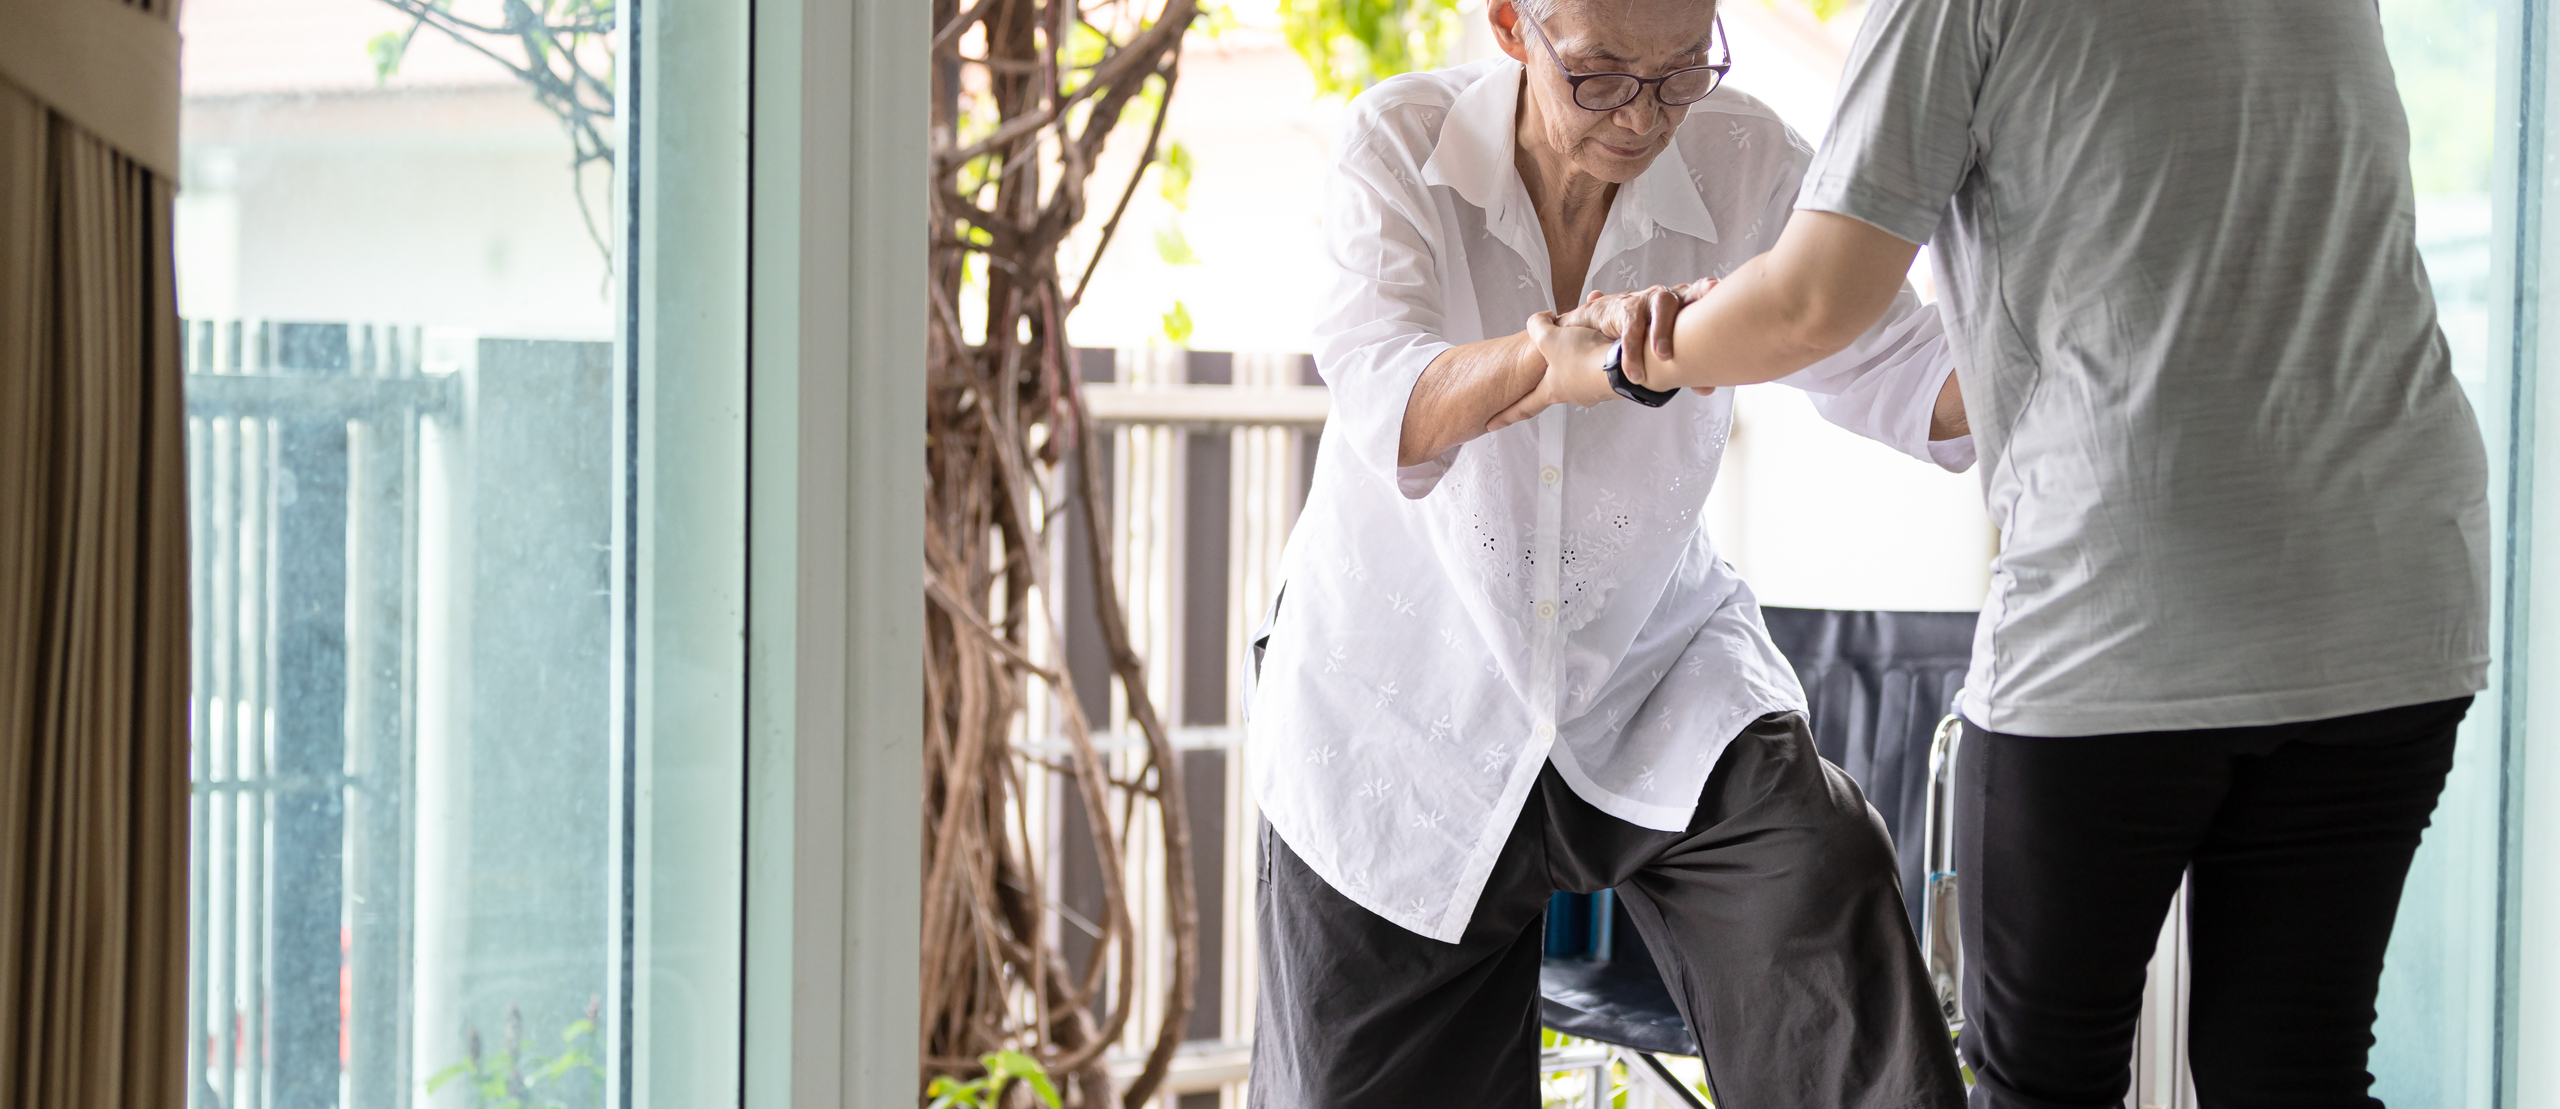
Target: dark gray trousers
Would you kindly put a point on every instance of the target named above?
(1776, 918)
(2295, 839)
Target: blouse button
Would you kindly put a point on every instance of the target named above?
(1550, 476)
(1546, 610)
(1546, 732)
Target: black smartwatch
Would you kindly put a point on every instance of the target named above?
(1618, 383)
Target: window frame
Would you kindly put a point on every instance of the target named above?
(836, 541)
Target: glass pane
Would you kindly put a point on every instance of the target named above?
(2434, 1038)
(415, 449)
(2529, 1049)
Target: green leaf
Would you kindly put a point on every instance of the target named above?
(1084, 47)
(443, 1077)
(948, 1092)
(1177, 325)
(1173, 175)
(1173, 248)
(386, 49)
(1214, 20)
(1014, 1064)
(1141, 109)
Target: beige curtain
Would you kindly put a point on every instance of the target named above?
(93, 618)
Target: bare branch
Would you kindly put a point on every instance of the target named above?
(582, 100)
(1110, 227)
(951, 32)
(1009, 450)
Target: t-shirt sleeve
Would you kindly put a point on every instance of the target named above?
(1904, 134)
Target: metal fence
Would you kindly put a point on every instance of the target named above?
(399, 687)
(1210, 454)
(401, 664)
(301, 491)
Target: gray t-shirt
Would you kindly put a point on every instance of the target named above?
(2235, 479)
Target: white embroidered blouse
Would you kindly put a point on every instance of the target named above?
(1546, 593)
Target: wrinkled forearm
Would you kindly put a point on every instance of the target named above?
(1463, 388)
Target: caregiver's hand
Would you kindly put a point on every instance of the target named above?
(1644, 318)
(1573, 376)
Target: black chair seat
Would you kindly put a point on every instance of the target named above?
(1877, 684)
(1612, 1001)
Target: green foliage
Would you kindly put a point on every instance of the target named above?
(1172, 248)
(988, 1092)
(1563, 1089)
(1173, 175)
(1214, 20)
(1084, 49)
(1353, 44)
(386, 50)
(1142, 108)
(1173, 182)
(517, 1079)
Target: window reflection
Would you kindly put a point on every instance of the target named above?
(2433, 1038)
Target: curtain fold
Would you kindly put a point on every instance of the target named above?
(93, 625)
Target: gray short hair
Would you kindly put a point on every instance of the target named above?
(1543, 10)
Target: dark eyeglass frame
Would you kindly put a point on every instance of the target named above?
(1716, 70)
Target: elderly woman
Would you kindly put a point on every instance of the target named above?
(1508, 661)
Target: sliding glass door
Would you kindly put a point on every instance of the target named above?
(468, 541)
(2435, 1040)
(2470, 1006)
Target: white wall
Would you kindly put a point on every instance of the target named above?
(445, 207)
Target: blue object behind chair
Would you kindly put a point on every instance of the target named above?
(1877, 684)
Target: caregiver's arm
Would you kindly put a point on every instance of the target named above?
(1826, 282)
(1464, 387)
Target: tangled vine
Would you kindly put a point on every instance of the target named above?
(1027, 93)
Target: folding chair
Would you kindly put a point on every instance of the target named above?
(1879, 687)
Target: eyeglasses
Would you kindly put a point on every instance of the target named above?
(1608, 92)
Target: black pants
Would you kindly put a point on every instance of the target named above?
(1776, 918)
(2297, 836)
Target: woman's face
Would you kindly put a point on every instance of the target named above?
(1647, 38)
